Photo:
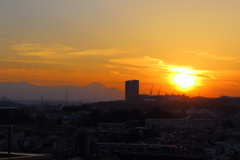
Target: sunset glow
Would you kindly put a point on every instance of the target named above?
(183, 46)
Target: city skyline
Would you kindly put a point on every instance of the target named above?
(182, 46)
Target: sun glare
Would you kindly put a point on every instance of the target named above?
(184, 77)
(184, 80)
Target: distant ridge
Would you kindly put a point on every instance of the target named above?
(92, 92)
(96, 86)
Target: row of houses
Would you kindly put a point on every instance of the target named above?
(180, 123)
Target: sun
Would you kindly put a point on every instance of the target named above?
(184, 80)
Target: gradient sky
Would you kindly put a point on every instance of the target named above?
(76, 42)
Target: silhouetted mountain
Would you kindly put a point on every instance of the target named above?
(96, 86)
(92, 92)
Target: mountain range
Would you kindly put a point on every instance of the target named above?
(92, 92)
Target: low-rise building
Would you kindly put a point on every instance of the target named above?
(179, 123)
(106, 127)
(111, 148)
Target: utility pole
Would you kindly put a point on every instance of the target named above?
(66, 98)
(9, 131)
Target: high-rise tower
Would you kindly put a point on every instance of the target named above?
(131, 90)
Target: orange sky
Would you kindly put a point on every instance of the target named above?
(61, 42)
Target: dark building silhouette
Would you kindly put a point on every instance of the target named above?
(131, 90)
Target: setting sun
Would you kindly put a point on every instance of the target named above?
(184, 80)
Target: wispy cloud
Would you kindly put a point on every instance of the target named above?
(156, 65)
(31, 61)
(96, 52)
(218, 57)
(206, 76)
(55, 51)
(40, 50)
(117, 73)
(145, 62)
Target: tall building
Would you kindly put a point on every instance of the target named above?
(131, 90)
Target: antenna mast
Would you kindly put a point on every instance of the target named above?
(66, 98)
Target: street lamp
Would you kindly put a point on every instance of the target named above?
(9, 126)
